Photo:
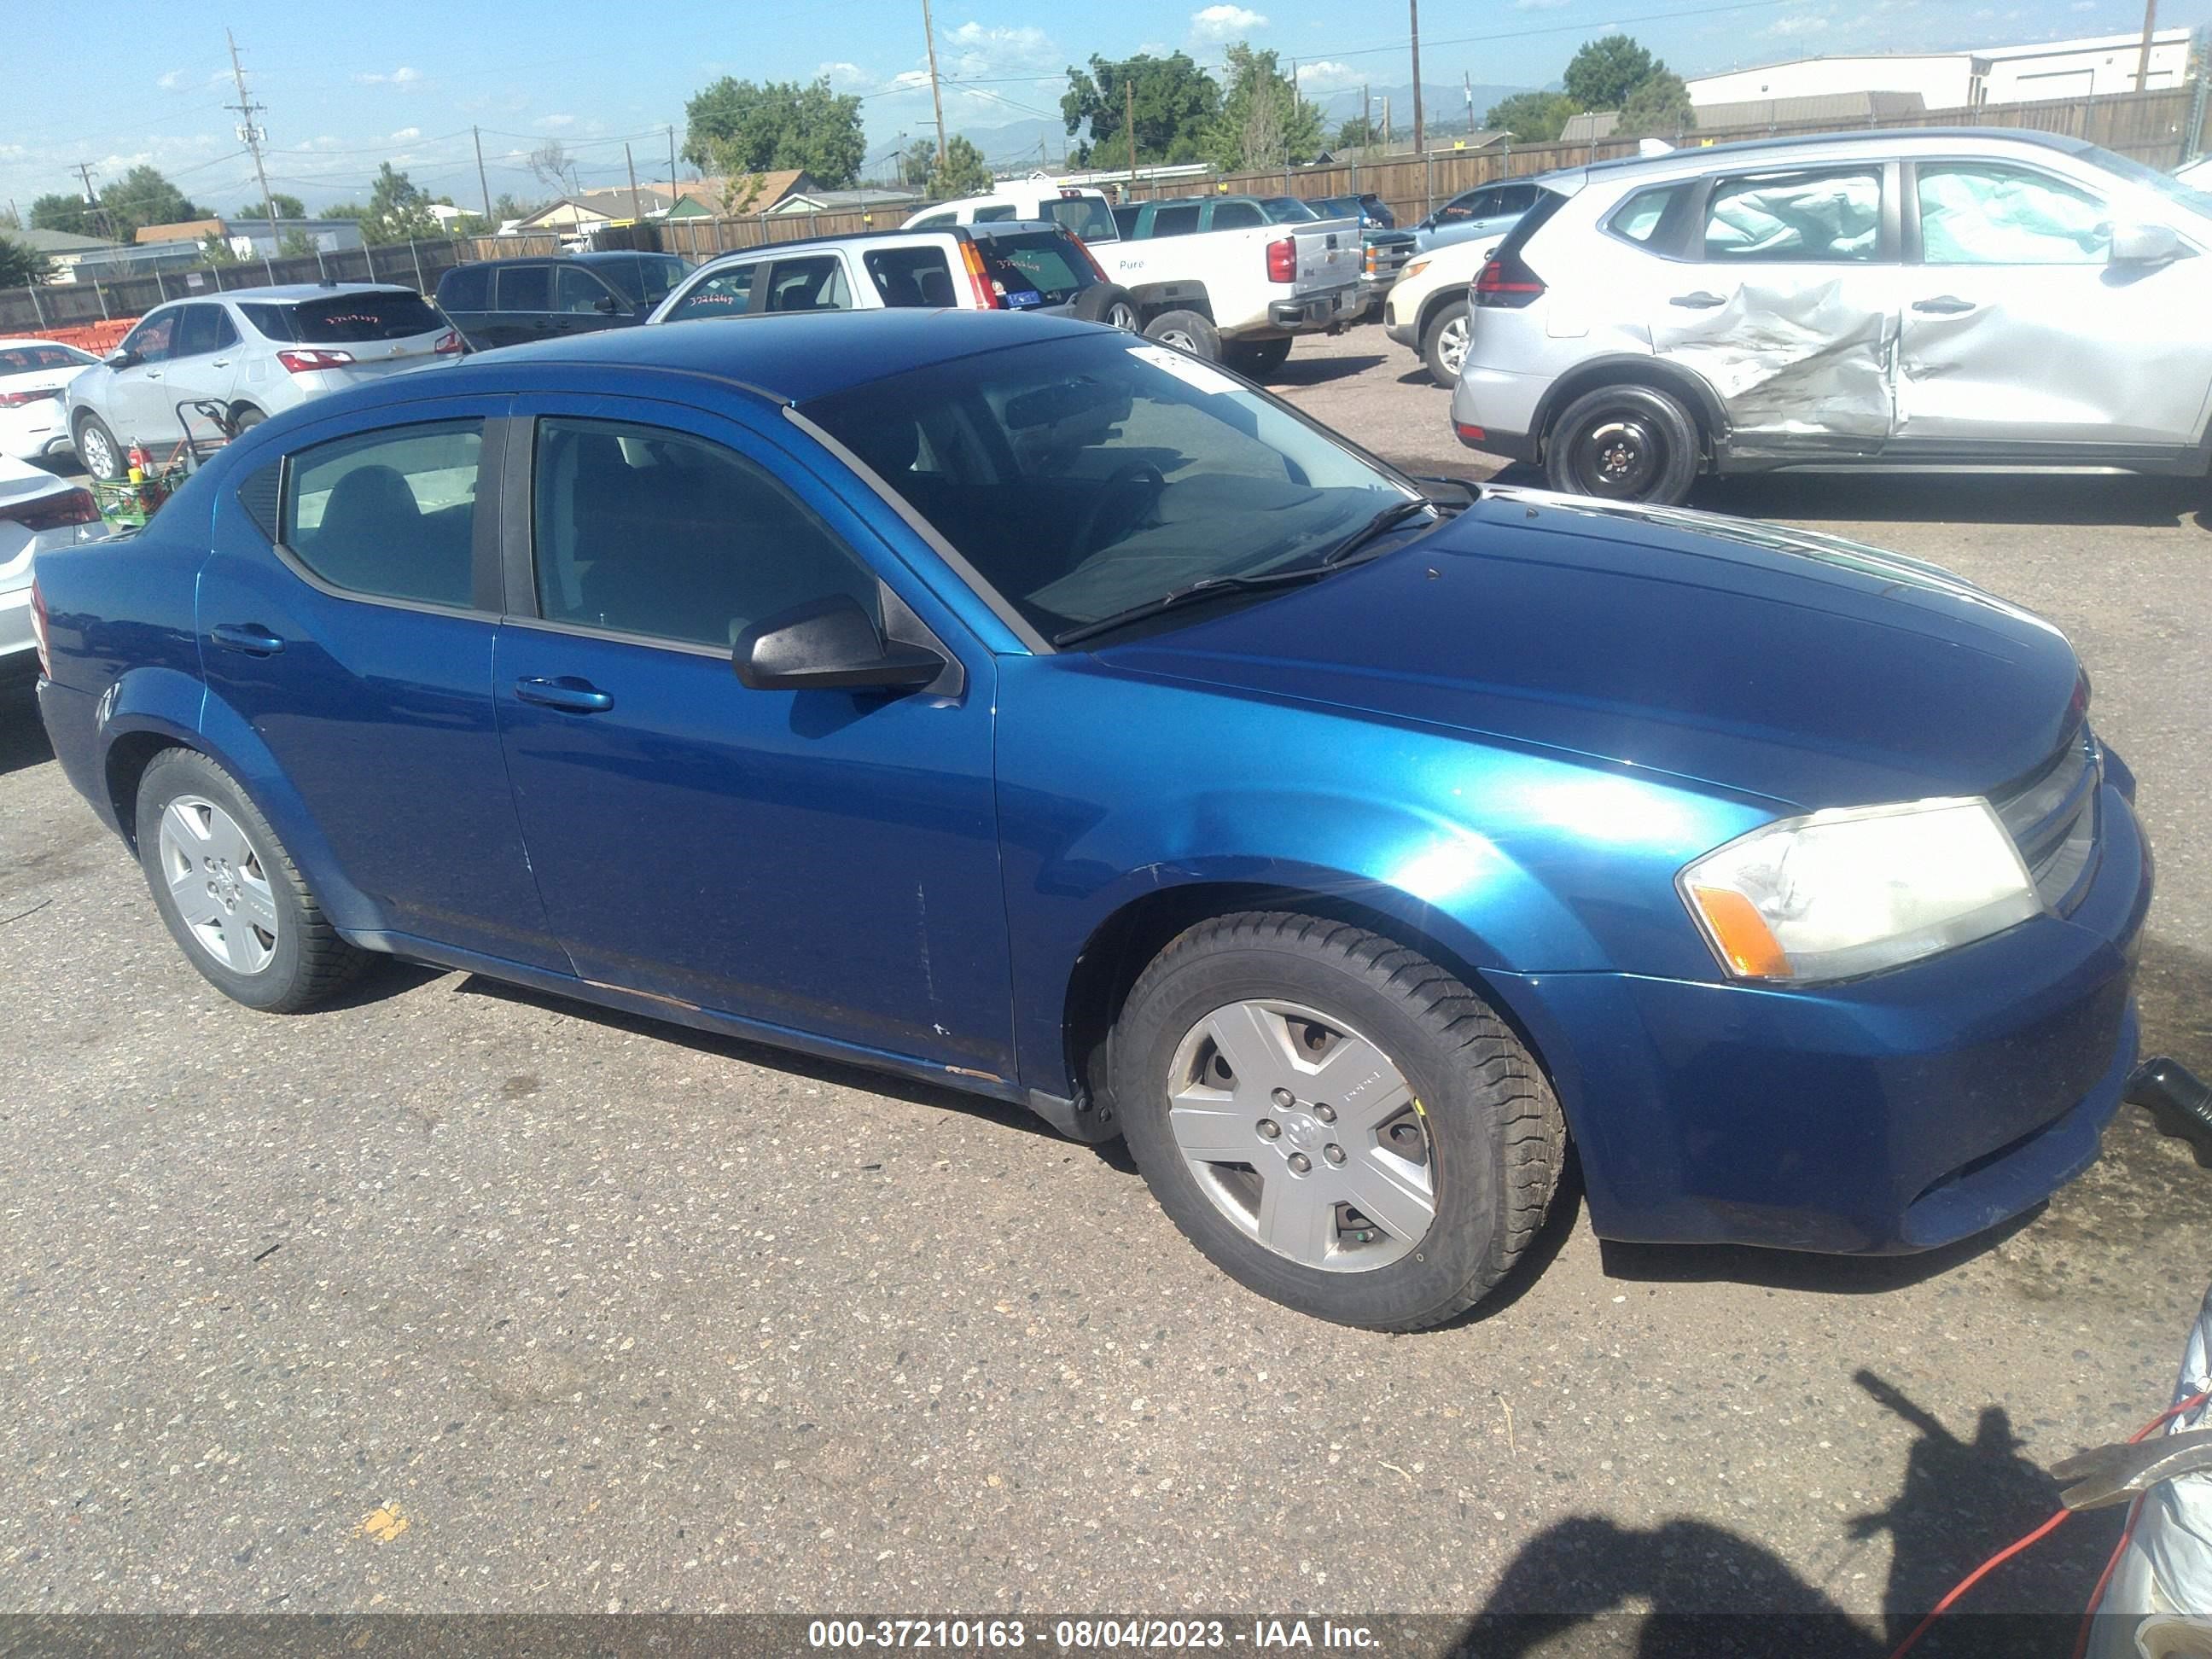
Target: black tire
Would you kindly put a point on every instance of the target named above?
(1444, 343)
(1496, 1137)
(1624, 443)
(102, 442)
(1108, 303)
(244, 417)
(1188, 330)
(309, 961)
(1256, 360)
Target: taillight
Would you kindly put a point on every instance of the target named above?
(52, 512)
(39, 628)
(1282, 261)
(304, 361)
(17, 399)
(987, 297)
(449, 344)
(1505, 281)
(1089, 257)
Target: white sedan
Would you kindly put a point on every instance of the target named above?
(38, 513)
(34, 377)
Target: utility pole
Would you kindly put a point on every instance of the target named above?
(1413, 7)
(1466, 85)
(250, 135)
(1366, 113)
(936, 98)
(2150, 26)
(671, 164)
(1129, 121)
(490, 225)
(92, 201)
(1386, 123)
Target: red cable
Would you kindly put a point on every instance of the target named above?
(2037, 1536)
(2127, 1532)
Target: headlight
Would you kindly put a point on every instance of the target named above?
(1414, 269)
(1857, 890)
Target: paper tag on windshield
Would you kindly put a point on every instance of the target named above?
(1189, 370)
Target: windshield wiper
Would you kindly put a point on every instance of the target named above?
(1388, 519)
(1205, 589)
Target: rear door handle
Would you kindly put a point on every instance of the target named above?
(251, 638)
(1700, 301)
(1943, 305)
(574, 696)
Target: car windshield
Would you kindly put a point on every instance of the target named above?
(645, 279)
(1286, 210)
(29, 359)
(2165, 183)
(1084, 475)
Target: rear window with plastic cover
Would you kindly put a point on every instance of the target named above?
(350, 318)
(1802, 218)
(1086, 215)
(1649, 217)
(1042, 263)
(1976, 213)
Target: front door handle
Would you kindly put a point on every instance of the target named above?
(1700, 301)
(574, 696)
(251, 638)
(1943, 305)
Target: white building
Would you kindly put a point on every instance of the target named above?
(1960, 80)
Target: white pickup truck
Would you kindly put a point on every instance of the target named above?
(1211, 274)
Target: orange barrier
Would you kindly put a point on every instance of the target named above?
(98, 338)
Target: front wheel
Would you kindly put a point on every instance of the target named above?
(1624, 443)
(1187, 331)
(1444, 344)
(1336, 1122)
(97, 449)
(232, 898)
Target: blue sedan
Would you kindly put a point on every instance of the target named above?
(1009, 702)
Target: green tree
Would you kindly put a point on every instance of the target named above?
(735, 126)
(1602, 74)
(1175, 101)
(917, 162)
(284, 207)
(20, 266)
(144, 197)
(1532, 117)
(1356, 133)
(1263, 122)
(962, 173)
(295, 245)
(64, 213)
(215, 251)
(1658, 107)
(506, 206)
(399, 209)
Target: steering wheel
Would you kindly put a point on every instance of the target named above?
(1087, 536)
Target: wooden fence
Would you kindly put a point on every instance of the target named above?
(2155, 128)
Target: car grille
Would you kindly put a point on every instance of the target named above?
(2053, 820)
(1387, 258)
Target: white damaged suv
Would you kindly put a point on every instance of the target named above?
(1936, 298)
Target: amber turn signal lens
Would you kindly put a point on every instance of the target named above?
(1742, 932)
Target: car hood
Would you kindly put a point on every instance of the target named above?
(1770, 662)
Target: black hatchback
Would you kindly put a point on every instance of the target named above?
(500, 302)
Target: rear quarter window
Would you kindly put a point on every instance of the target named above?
(1654, 218)
(725, 293)
(465, 288)
(1175, 221)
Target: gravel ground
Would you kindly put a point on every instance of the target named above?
(457, 1299)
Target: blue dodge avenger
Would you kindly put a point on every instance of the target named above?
(1020, 705)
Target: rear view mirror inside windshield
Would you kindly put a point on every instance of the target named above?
(1048, 405)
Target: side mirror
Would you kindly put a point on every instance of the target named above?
(120, 358)
(829, 644)
(2144, 244)
(609, 304)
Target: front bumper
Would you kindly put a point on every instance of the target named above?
(1893, 1113)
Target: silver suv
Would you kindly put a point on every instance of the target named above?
(1936, 298)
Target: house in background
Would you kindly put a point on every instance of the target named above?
(895, 203)
(63, 249)
(588, 210)
(254, 239)
(2094, 66)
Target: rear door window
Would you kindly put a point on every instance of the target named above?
(377, 315)
(576, 292)
(1238, 215)
(465, 288)
(816, 283)
(203, 330)
(1831, 217)
(388, 513)
(1041, 263)
(910, 275)
(1980, 213)
(726, 292)
(1179, 221)
(525, 287)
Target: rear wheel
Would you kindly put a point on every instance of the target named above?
(1256, 360)
(97, 448)
(1624, 443)
(1335, 1121)
(243, 415)
(1107, 303)
(1187, 331)
(1444, 343)
(232, 897)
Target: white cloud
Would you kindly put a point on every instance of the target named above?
(1328, 77)
(1801, 23)
(910, 80)
(553, 123)
(404, 133)
(844, 76)
(1538, 5)
(979, 50)
(2083, 5)
(171, 81)
(403, 76)
(1225, 22)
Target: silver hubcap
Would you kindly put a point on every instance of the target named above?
(1305, 1134)
(1121, 316)
(218, 884)
(93, 451)
(1452, 345)
(1179, 340)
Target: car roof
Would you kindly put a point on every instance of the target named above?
(790, 358)
(284, 294)
(590, 257)
(987, 229)
(1698, 157)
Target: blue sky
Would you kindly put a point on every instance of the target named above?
(349, 85)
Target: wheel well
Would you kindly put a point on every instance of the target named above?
(1703, 407)
(1152, 299)
(1435, 303)
(128, 757)
(1126, 942)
